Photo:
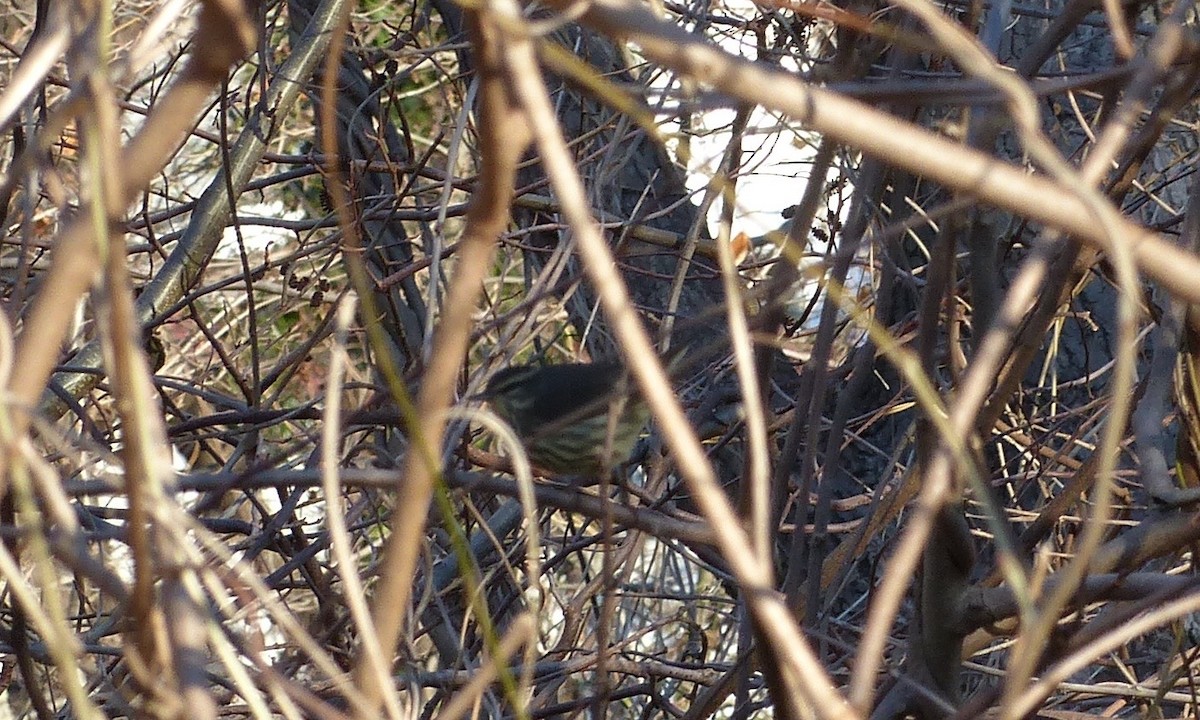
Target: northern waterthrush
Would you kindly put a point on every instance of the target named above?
(574, 418)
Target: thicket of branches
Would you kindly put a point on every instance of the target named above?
(935, 449)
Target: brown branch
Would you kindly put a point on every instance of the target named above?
(503, 140)
(224, 35)
(894, 141)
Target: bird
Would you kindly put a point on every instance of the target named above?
(561, 413)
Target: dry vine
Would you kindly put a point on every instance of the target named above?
(933, 448)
